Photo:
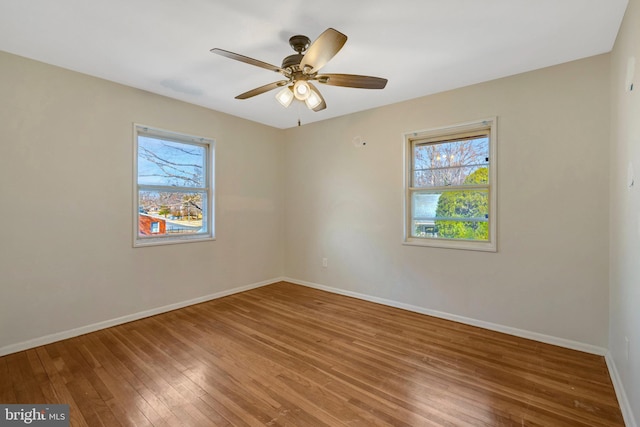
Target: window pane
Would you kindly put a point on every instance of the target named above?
(456, 230)
(456, 214)
(170, 163)
(451, 163)
(173, 213)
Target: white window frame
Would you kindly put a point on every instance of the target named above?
(444, 133)
(208, 219)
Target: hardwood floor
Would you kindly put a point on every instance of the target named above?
(289, 355)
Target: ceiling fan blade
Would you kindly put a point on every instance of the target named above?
(247, 60)
(322, 104)
(262, 89)
(352, 80)
(322, 50)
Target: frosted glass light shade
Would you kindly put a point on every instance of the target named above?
(313, 100)
(285, 96)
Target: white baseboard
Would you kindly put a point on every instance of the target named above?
(58, 336)
(623, 401)
(24, 345)
(548, 339)
(574, 345)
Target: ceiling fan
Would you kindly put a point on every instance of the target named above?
(301, 68)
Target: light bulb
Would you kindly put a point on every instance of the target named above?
(301, 90)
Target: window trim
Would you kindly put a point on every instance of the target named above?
(209, 143)
(441, 134)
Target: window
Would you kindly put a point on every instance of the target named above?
(450, 181)
(173, 194)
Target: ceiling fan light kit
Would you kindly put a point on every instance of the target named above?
(301, 90)
(302, 68)
(313, 100)
(285, 96)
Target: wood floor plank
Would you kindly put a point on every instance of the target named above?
(364, 368)
(56, 381)
(246, 364)
(7, 394)
(122, 368)
(102, 361)
(280, 375)
(289, 355)
(297, 353)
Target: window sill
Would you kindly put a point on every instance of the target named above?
(466, 245)
(161, 241)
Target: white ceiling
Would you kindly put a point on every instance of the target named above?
(420, 46)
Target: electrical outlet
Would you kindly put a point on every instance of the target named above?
(325, 263)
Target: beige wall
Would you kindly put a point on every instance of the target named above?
(66, 256)
(286, 199)
(550, 274)
(625, 209)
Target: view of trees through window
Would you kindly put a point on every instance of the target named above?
(171, 186)
(451, 196)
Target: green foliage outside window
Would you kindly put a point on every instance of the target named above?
(464, 204)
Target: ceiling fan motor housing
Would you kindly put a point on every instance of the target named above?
(293, 62)
(299, 43)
